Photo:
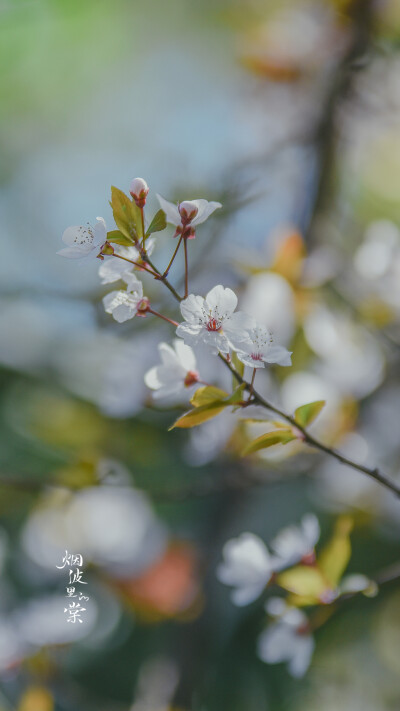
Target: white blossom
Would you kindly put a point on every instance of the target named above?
(176, 373)
(295, 543)
(124, 305)
(247, 566)
(288, 639)
(113, 268)
(260, 348)
(194, 211)
(212, 321)
(84, 241)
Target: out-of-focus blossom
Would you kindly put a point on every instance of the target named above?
(351, 357)
(177, 372)
(131, 539)
(269, 298)
(295, 41)
(194, 212)
(124, 305)
(296, 543)
(166, 588)
(113, 269)
(213, 321)
(377, 260)
(247, 566)
(85, 241)
(288, 639)
(123, 391)
(261, 348)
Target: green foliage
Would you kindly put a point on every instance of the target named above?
(118, 238)
(158, 223)
(127, 215)
(281, 436)
(306, 414)
(336, 555)
(208, 402)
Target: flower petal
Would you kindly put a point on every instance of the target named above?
(205, 209)
(171, 211)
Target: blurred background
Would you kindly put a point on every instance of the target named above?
(288, 113)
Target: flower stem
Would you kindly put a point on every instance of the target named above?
(143, 230)
(136, 264)
(373, 473)
(186, 269)
(173, 257)
(253, 377)
(164, 318)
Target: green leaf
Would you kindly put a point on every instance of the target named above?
(305, 581)
(158, 223)
(214, 401)
(207, 394)
(282, 436)
(118, 238)
(238, 365)
(127, 215)
(306, 414)
(335, 556)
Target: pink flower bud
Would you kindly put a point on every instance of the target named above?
(188, 211)
(139, 191)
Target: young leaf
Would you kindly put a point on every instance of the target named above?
(238, 365)
(158, 223)
(214, 401)
(207, 394)
(282, 436)
(118, 238)
(304, 580)
(199, 415)
(306, 414)
(335, 556)
(126, 214)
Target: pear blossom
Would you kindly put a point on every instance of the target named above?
(124, 305)
(114, 268)
(247, 566)
(296, 543)
(260, 348)
(288, 639)
(176, 373)
(139, 191)
(188, 214)
(212, 321)
(84, 241)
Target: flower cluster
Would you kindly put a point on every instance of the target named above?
(213, 321)
(248, 566)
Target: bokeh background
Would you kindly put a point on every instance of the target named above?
(288, 113)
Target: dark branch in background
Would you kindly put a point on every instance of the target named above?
(339, 88)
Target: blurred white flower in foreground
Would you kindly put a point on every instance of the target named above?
(84, 241)
(260, 348)
(177, 372)
(111, 526)
(351, 357)
(124, 305)
(194, 212)
(296, 543)
(212, 320)
(288, 639)
(269, 298)
(247, 566)
(113, 268)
